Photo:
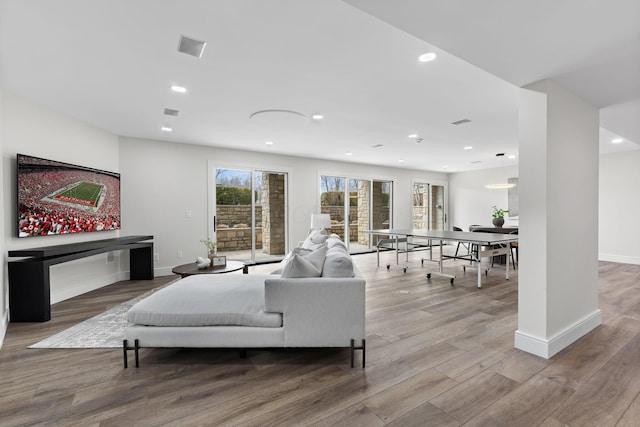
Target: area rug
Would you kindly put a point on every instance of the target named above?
(105, 330)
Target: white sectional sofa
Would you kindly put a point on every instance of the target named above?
(316, 299)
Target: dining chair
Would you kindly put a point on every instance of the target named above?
(514, 247)
(464, 245)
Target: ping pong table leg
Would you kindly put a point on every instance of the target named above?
(406, 250)
(397, 251)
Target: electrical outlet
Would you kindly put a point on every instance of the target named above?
(156, 256)
(187, 214)
(179, 254)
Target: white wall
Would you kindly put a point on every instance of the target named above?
(619, 208)
(618, 225)
(4, 292)
(471, 203)
(162, 180)
(33, 130)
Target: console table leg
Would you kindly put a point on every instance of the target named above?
(141, 263)
(29, 293)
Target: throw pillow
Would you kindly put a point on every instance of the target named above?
(316, 257)
(337, 265)
(299, 266)
(287, 257)
(315, 239)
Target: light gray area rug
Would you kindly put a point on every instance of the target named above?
(105, 330)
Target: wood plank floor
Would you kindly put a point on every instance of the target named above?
(438, 355)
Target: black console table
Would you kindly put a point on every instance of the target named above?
(29, 293)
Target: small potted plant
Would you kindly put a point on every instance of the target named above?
(211, 245)
(498, 216)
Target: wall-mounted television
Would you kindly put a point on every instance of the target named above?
(60, 198)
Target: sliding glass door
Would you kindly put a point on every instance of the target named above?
(249, 214)
(356, 205)
(428, 210)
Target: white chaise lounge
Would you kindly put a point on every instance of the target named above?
(246, 311)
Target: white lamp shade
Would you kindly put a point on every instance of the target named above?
(320, 221)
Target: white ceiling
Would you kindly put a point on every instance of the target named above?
(111, 63)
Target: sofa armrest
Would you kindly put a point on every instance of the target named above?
(318, 312)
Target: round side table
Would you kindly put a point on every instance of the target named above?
(191, 269)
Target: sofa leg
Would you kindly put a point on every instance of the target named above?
(363, 352)
(124, 351)
(354, 348)
(126, 348)
(243, 353)
(137, 352)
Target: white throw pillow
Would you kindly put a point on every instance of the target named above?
(296, 251)
(316, 257)
(319, 236)
(337, 263)
(315, 239)
(299, 266)
(335, 241)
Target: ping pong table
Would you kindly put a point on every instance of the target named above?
(486, 244)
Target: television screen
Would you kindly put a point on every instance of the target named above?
(60, 198)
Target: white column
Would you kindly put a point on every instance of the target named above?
(558, 275)
(4, 194)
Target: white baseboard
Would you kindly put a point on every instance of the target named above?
(65, 294)
(163, 271)
(107, 280)
(548, 348)
(622, 259)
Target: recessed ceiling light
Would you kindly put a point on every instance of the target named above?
(445, 167)
(348, 153)
(426, 57)
(317, 117)
(617, 140)
(468, 147)
(166, 129)
(268, 142)
(401, 161)
(413, 135)
(178, 89)
(512, 156)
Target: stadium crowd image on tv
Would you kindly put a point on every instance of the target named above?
(60, 198)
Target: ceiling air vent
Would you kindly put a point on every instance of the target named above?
(377, 146)
(191, 46)
(461, 122)
(170, 112)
